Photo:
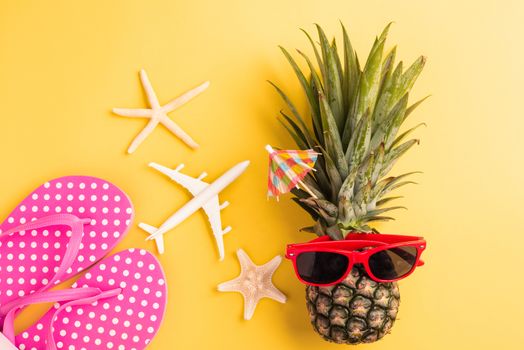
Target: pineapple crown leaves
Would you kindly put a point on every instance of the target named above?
(355, 117)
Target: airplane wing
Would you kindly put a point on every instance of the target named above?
(194, 186)
(212, 209)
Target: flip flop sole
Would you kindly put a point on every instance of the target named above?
(29, 260)
(127, 321)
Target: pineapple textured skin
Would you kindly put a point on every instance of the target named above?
(357, 310)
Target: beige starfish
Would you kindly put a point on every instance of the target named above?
(254, 283)
(158, 114)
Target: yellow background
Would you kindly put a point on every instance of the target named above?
(65, 64)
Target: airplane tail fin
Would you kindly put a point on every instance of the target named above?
(159, 240)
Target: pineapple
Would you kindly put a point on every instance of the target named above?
(355, 117)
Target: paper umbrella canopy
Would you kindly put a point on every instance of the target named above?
(287, 169)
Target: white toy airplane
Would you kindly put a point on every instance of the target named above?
(205, 196)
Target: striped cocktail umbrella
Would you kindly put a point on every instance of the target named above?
(287, 169)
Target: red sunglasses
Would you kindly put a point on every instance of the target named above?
(386, 258)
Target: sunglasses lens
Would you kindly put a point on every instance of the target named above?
(393, 263)
(321, 267)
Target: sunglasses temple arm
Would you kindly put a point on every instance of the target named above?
(420, 263)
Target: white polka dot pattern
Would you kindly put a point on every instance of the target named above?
(128, 321)
(29, 260)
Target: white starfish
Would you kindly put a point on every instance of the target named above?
(158, 114)
(254, 283)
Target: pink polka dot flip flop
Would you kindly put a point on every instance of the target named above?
(62, 228)
(118, 304)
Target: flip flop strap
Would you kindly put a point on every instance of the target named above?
(43, 297)
(77, 228)
(75, 296)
